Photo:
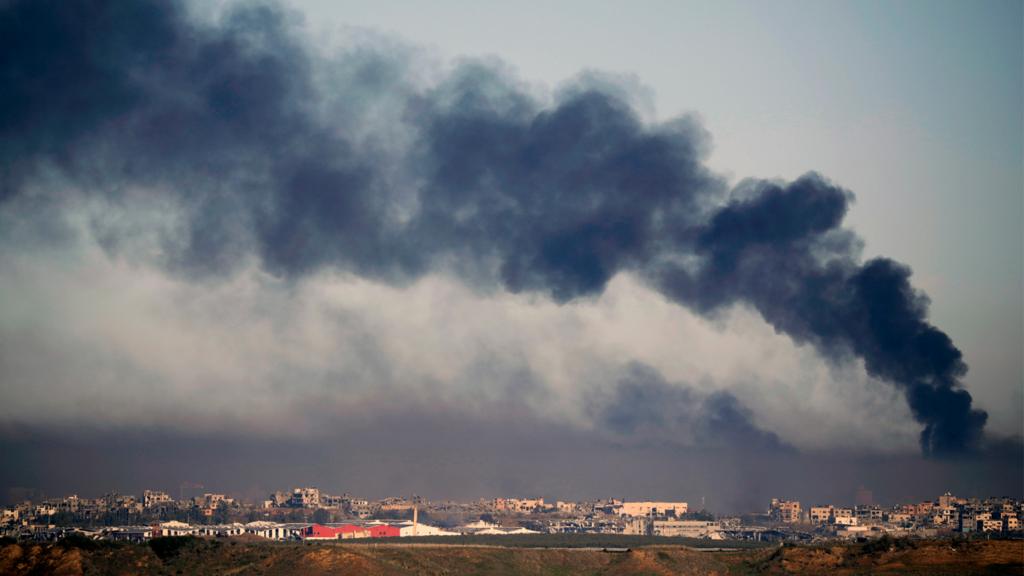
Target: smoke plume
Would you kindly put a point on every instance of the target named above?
(261, 148)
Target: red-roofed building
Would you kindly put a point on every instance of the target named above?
(384, 531)
(320, 532)
(352, 531)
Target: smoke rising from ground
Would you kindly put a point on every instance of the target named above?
(233, 141)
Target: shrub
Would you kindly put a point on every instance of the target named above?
(79, 541)
(169, 547)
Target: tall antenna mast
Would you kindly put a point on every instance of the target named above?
(415, 515)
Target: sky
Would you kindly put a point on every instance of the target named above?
(570, 250)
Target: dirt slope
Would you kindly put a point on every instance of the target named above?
(194, 556)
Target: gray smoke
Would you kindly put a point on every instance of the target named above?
(270, 151)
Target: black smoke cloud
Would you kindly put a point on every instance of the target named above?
(782, 252)
(306, 162)
(560, 199)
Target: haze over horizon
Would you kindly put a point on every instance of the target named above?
(383, 251)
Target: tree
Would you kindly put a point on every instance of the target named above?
(322, 516)
(221, 514)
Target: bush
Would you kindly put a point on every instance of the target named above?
(878, 545)
(886, 543)
(79, 541)
(169, 547)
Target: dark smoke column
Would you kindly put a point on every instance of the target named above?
(234, 125)
(565, 198)
(782, 251)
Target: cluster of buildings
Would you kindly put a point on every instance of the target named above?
(643, 526)
(611, 506)
(308, 514)
(313, 499)
(299, 531)
(946, 514)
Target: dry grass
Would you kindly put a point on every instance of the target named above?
(239, 557)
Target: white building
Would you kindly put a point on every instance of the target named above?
(852, 531)
(651, 509)
(273, 530)
(175, 528)
(406, 529)
(485, 528)
(234, 529)
(129, 533)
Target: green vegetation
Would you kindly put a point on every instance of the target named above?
(887, 544)
(202, 557)
(170, 547)
(81, 542)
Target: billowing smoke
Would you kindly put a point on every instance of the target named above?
(781, 250)
(263, 148)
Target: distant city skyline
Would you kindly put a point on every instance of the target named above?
(308, 513)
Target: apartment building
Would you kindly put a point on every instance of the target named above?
(787, 511)
(676, 509)
(518, 505)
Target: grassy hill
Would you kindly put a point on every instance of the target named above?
(172, 556)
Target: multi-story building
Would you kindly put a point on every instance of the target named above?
(212, 500)
(821, 514)
(945, 515)
(638, 526)
(990, 525)
(518, 505)
(360, 508)
(868, 514)
(114, 501)
(566, 507)
(305, 498)
(967, 520)
(922, 510)
(899, 518)
(69, 504)
(787, 511)
(675, 509)
(327, 501)
(844, 517)
(155, 499)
